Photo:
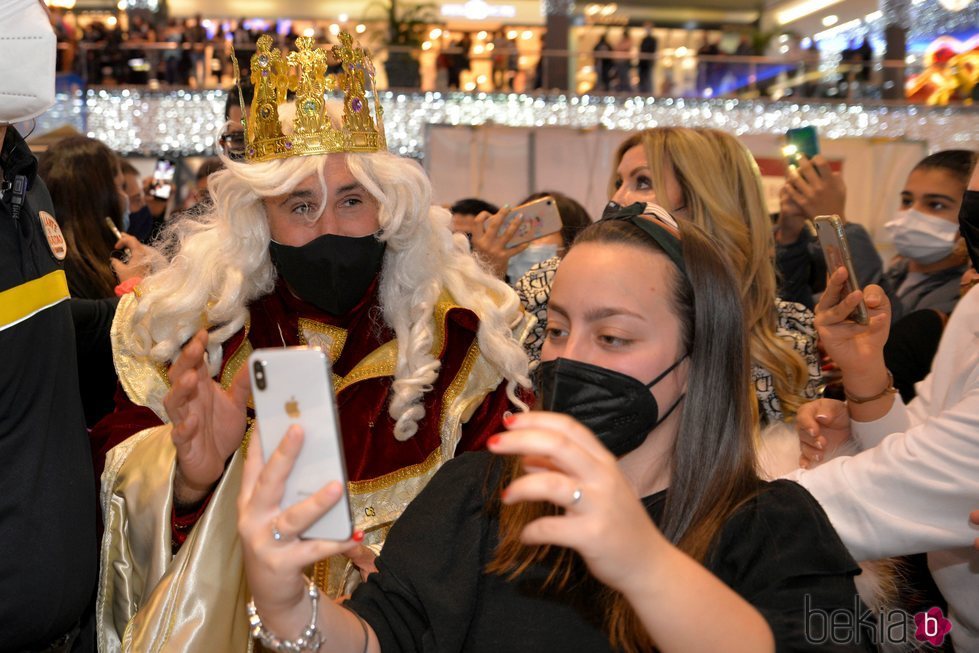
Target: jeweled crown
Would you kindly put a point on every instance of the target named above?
(304, 72)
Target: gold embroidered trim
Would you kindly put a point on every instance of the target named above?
(250, 424)
(380, 362)
(236, 362)
(458, 383)
(337, 336)
(387, 480)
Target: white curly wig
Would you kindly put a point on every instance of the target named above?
(220, 263)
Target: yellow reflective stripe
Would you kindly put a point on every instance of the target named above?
(21, 302)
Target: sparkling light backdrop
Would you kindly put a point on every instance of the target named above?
(151, 123)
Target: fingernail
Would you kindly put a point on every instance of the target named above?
(820, 444)
(817, 457)
(503, 493)
(358, 536)
(493, 440)
(508, 419)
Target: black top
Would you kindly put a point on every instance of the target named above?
(93, 320)
(431, 593)
(48, 549)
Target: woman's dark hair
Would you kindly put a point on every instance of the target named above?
(574, 217)
(713, 458)
(473, 206)
(80, 174)
(958, 162)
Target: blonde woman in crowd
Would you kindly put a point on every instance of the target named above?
(709, 178)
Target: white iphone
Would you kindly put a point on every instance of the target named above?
(293, 386)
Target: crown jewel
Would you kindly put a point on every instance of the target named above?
(304, 72)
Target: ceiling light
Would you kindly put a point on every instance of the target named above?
(803, 9)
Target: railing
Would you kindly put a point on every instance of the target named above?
(672, 73)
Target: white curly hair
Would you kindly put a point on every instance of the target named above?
(220, 263)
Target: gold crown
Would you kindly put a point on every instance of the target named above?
(304, 72)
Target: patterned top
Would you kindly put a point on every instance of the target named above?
(795, 323)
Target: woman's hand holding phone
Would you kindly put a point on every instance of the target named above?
(857, 349)
(491, 245)
(274, 567)
(137, 264)
(208, 421)
(815, 189)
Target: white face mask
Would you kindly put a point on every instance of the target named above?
(922, 237)
(27, 67)
(520, 264)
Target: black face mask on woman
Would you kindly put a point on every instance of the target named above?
(620, 410)
(330, 272)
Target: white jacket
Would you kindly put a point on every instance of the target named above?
(917, 479)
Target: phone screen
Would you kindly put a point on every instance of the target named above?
(803, 141)
(162, 185)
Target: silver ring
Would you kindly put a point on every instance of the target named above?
(276, 533)
(576, 496)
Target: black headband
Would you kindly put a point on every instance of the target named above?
(656, 222)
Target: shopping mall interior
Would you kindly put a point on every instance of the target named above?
(489, 325)
(501, 97)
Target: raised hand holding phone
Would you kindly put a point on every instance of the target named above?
(292, 387)
(858, 349)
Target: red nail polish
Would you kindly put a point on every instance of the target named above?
(493, 441)
(358, 536)
(503, 494)
(508, 418)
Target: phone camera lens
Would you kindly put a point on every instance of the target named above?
(259, 369)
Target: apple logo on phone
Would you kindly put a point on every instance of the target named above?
(292, 408)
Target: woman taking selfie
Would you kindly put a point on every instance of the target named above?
(707, 177)
(616, 525)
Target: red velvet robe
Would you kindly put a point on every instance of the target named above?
(370, 448)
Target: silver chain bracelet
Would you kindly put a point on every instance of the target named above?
(311, 638)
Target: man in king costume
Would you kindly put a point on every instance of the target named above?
(319, 237)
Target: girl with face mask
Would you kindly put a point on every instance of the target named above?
(925, 231)
(543, 543)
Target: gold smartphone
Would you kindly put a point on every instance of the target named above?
(836, 251)
(112, 227)
(538, 218)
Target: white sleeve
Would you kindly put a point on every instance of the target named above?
(912, 492)
(869, 434)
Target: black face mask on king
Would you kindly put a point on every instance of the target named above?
(330, 272)
(620, 410)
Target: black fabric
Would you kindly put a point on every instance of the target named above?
(431, 593)
(93, 319)
(969, 224)
(48, 549)
(910, 349)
